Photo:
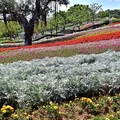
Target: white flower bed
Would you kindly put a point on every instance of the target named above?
(58, 78)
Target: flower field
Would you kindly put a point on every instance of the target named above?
(96, 41)
(74, 79)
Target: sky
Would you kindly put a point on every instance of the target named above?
(106, 4)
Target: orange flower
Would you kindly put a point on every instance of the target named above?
(84, 99)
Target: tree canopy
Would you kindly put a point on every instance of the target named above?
(78, 13)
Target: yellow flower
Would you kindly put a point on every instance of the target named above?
(3, 106)
(12, 109)
(70, 102)
(8, 107)
(96, 105)
(66, 105)
(14, 115)
(118, 112)
(51, 103)
(109, 99)
(86, 99)
(60, 113)
(89, 100)
(55, 107)
(107, 119)
(4, 111)
(25, 113)
(43, 106)
(28, 117)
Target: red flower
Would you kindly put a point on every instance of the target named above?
(106, 36)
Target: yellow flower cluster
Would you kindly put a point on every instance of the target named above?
(28, 117)
(54, 106)
(14, 115)
(84, 99)
(7, 108)
(109, 99)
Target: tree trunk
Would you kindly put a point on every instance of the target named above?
(93, 19)
(29, 28)
(28, 39)
(10, 35)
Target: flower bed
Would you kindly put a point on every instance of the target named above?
(59, 79)
(65, 48)
(31, 83)
(61, 51)
(109, 33)
(115, 23)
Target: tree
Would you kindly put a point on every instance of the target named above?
(60, 20)
(27, 12)
(78, 14)
(62, 15)
(95, 7)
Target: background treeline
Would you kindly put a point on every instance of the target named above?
(58, 20)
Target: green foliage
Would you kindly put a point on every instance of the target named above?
(13, 29)
(78, 13)
(61, 18)
(114, 13)
(115, 20)
(103, 14)
(99, 118)
(2, 40)
(2, 28)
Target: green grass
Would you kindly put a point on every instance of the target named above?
(2, 40)
(16, 56)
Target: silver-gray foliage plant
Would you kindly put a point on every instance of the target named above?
(59, 78)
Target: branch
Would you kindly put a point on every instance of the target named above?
(21, 19)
